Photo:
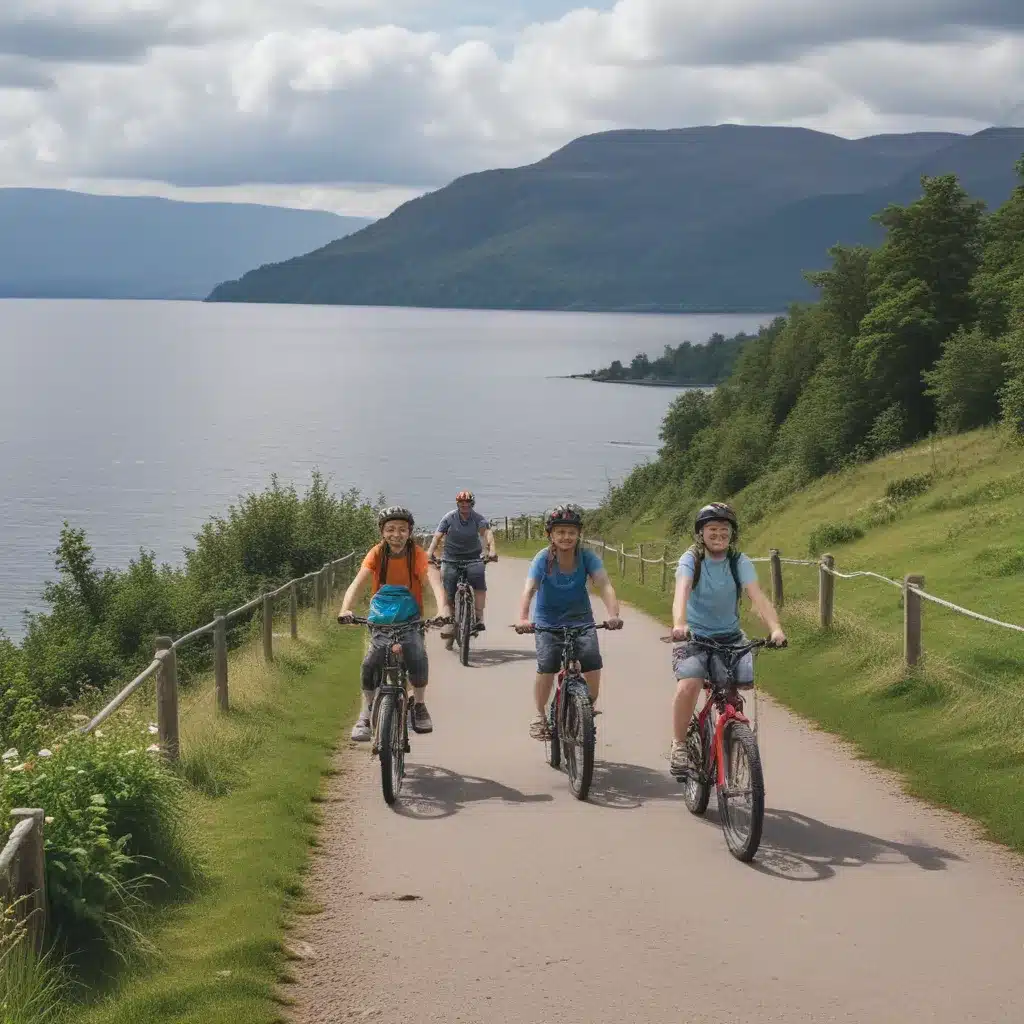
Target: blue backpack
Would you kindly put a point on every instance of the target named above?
(392, 604)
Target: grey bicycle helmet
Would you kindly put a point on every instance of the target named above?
(392, 512)
(564, 515)
(716, 512)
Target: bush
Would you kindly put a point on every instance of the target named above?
(113, 828)
(830, 534)
(965, 382)
(908, 487)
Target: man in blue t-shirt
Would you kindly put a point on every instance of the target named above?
(711, 609)
(465, 533)
(558, 577)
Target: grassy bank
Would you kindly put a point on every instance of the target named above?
(954, 512)
(254, 775)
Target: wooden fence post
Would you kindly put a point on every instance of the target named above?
(641, 574)
(776, 564)
(324, 584)
(220, 660)
(912, 619)
(293, 610)
(529, 529)
(318, 601)
(268, 628)
(30, 871)
(826, 591)
(664, 569)
(167, 699)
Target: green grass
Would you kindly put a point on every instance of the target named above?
(948, 726)
(257, 773)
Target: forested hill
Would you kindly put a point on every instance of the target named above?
(696, 219)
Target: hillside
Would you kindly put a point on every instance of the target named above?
(60, 244)
(696, 219)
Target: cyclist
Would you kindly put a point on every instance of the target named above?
(558, 576)
(464, 532)
(399, 564)
(710, 608)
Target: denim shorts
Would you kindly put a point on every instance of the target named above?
(474, 574)
(549, 652)
(414, 654)
(690, 661)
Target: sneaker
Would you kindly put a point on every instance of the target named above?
(479, 627)
(539, 727)
(680, 757)
(421, 720)
(361, 730)
(448, 632)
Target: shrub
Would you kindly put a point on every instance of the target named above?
(908, 487)
(114, 827)
(829, 534)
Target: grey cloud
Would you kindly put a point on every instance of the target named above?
(16, 73)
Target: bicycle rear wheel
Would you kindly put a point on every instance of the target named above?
(696, 785)
(578, 738)
(392, 748)
(741, 799)
(465, 625)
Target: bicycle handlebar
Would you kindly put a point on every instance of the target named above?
(714, 645)
(561, 630)
(357, 620)
(463, 561)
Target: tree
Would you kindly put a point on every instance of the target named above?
(965, 382)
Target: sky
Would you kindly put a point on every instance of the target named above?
(358, 105)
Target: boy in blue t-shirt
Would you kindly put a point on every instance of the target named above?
(558, 577)
(711, 609)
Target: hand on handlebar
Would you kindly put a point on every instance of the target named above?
(615, 623)
(524, 626)
(346, 618)
(491, 558)
(777, 639)
(681, 633)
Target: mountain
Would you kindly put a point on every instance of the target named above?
(61, 244)
(696, 219)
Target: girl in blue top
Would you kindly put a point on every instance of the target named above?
(558, 577)
(711, 609)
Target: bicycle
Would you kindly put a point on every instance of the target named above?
(464, 605)
(570, 713)
(717, 752)
(391, 707)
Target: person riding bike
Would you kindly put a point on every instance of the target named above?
(464, 532)
(710, 578)
(396, 567)
(558, 576)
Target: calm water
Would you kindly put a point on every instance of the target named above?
(139, 420)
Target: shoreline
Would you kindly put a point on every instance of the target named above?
(636, 383)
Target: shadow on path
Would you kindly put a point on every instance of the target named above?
(484, 657)
(431, 792)
(625, 786)
(802, 849)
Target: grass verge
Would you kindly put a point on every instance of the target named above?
(255, 774)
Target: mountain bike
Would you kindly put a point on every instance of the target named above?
(464, 605)
(570, 713)
(724, 750)
(391, 708)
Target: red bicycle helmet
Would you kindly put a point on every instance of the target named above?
(465, 496)
(564, 515)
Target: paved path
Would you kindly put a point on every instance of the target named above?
(492, 895)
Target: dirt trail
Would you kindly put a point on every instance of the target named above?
(492, 895)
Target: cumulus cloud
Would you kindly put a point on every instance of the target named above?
(338, 96)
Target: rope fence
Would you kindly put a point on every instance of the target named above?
(912, 585)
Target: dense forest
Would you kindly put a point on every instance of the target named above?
(923, 334)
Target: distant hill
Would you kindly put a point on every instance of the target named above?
(61, 244)
(705, 219)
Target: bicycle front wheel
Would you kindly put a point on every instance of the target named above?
(392, 748)
(465, 625)
(577, 735)
(696, 784)
(741, 799)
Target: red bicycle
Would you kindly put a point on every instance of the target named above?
(723, 749)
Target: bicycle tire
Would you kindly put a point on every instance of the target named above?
(697, 789)
(579, 717)
(391, 754)
(742, 843)
(552, 747)
(465, 626)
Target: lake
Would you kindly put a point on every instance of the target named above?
(140, 420)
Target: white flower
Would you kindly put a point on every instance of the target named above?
(19, 767)
(99, 732)
(48, 819)
(153, 730)
(45, 753)
(10, 755)
(153, 748)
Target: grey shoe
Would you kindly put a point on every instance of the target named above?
(361, 730)
(680, 760)
(539, 727)
(421, 720)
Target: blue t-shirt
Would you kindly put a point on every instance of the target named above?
(562, 598)
(711, 608)
(462, 538)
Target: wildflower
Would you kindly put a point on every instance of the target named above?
(153, 748)
(48, 819)
(10, 755)
(99, 732)
(153, 730)
(19, 767)
(45, 753)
